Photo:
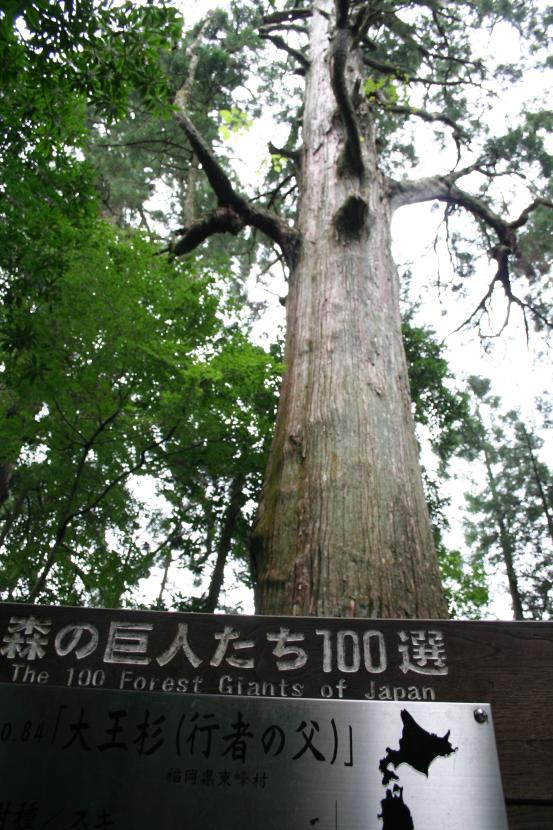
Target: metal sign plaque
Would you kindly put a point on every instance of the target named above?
(91, 760)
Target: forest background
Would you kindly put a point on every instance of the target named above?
(138, 394)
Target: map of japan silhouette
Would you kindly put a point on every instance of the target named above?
(417, 748)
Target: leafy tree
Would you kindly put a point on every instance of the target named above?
(51, 51)
(116, 363)
(512, 528)
(211, 489)
(126, 375)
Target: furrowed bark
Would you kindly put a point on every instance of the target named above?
(342, 528)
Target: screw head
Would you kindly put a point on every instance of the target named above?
(480, 715)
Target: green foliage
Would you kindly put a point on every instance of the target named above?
(465, 584)
(438, 406)
(123, 370)
(140, 153)
(525, 144)
(442, 415)
(99, 52)
(385, 85)
(233, 121)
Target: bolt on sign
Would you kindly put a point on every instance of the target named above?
(509, 665)
(82, 759)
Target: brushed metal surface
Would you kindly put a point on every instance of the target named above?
(92, 760)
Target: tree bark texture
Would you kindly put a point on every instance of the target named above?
(342, 528)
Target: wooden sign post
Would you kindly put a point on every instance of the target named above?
(509, 665)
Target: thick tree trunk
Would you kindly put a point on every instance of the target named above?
(342, 528)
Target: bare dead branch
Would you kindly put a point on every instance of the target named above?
(501, 255)
(280, 43)
(444, 189)
(289, 27)
(221, 220)
(289, 14)
(481, 307)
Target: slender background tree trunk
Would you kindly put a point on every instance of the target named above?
(505, 542)
(342, 528)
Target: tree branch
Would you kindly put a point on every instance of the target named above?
(142, 142)
(69, 514)
(341, 41)
(293, 155)
(525, 215)
(431, 117)
(237, 499)
(444, 189)
(402, 73)
(221, 220)
(166, 566)
(268, 28)
(538, 480)
(280, 43)
(234, 210)
(363, 20)
(218, 179)
(289, 14)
